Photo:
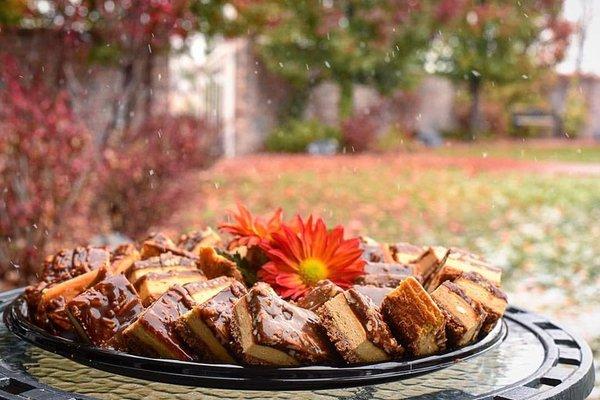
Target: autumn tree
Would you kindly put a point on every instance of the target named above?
(379, 43)
(499, 42)
(44, 152)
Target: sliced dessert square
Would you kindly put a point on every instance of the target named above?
(203, 290)
(214, 264)
(324, 291)
(356, 328)
(153, 333)
(374, 251)
(166, 262)
(489, 296)
(67, 264)
(152, 285)
(464, 316)
(206, 329)
(375, 293)
(50, 311)
(384, 274)
(100, 313)
(429, 262)
(195, 240)
(458, 262)
(122, 258)
(405, 253)
(268, 330)
(159, 243)
(415, 319)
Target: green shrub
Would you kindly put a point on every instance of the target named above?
(462, 134)
(394, 139)
(295, 135)
(575, 114)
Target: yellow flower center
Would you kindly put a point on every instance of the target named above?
(312, 270)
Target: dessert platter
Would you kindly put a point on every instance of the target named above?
(264, 303)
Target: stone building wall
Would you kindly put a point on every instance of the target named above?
(592, 91)
(322, 104)
(430, 109)
(590, 86)
(259, 95)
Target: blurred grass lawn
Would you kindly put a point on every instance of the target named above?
(572, 153)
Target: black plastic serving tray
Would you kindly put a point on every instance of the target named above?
(228, 376)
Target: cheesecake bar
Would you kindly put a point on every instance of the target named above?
(491, 298)
(214, 264)
(100, 313)
(204, 290)
(457, 252)
(458, 262)
(159, 326)
(67, 264)
(384, 274)
(374, 251)
(159, 243)
(429, 262)
(153, 333)
(356, 328)
(206, 329)
(268, 330)
(166, 262)
(50, 309)
(122, 258)
(415, 319)
(195, 240)
(464, 316)
(324, 291)
(405, 253)
(375, 293)
(152, 285)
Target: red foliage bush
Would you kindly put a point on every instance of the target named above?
(359, 132)
(44, 156)
(135, 188)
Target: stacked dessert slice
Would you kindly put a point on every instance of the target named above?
(356, 327)
(464, 316)
(415, 318)
(154, 332)
(268, 330)
(196, 240)
(486, 294)
(101, 313)
(457, 262)
(385, 274)
(153, 276)
(206, 328)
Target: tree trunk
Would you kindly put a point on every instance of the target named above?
(60, 80)
(117, 105)
(148, 85)
(474, 112)
(295, 104)
(346, 101)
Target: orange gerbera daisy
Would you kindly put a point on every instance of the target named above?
(300, 257)
(249, 230)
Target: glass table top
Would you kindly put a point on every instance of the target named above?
(513, 360)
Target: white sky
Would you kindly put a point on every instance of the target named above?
(591, 55)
